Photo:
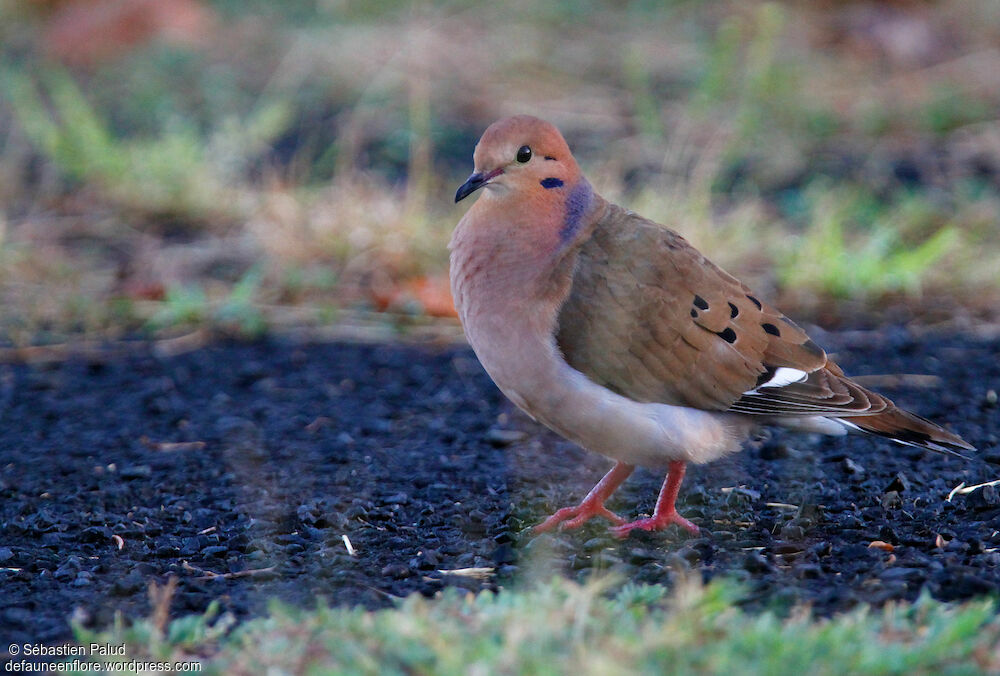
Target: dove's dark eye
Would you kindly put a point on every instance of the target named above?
(523, 154)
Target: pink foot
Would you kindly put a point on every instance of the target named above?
(655, 522)
(592, 505)
(665, 512)
(577, 516)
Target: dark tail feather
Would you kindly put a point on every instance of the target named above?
(912, 430)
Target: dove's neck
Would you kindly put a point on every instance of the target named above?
(511, 271)
(512, 260)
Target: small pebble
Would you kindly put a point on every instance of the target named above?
(500, 438)
(397, 571)
(854, 468)
(774, 451)
(900, 483)
(754, 562)
(891, 500)
(136, 472)
(984, 498)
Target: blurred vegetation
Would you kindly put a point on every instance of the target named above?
(250, 165)
(565, 628)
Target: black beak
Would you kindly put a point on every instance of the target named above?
(475, 182)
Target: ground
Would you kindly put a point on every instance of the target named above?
(261, 461)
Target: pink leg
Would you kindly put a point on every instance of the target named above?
(593, 504)
(665, 512)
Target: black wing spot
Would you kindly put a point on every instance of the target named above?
(770, 328)
(766, 376)
(755, 302)
(694, 313)
(733, 311)
(700, 302)
(727, 335)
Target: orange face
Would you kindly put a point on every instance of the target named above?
(517, 154)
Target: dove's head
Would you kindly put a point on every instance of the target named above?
(521, 155)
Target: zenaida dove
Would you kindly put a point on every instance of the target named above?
(616, 333)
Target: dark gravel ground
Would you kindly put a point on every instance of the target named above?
(413, 455)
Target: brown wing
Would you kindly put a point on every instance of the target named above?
(651, 318)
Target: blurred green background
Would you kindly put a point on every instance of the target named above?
(167, 165)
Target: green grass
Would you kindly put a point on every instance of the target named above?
(561, 627)
(237, 314)
(876, 258)
(176, 171)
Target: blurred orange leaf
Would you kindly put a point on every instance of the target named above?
(879, 544)
(432, 293)
(85, 32)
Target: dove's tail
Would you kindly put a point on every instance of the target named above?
(907, 428)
